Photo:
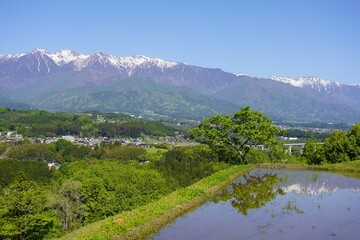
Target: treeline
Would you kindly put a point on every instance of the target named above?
(39, 123)
(321, 125)
(306, 134)
(64, 151)
(339, 147)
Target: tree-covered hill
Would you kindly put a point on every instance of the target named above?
(36, 123)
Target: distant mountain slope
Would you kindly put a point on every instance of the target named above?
(282, 101)
(330, 91)
(140, 96)
(70, 81)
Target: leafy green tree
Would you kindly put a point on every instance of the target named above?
(61, 144)
(183, 166)
(277, 153)
(126, 153)
(354, 138)
(313, 152)
(33, 170)
(338, 148)
(67, 202)
(232, 137)
(255, 156)
(74, 152)
(105, 188)
(29, 151)
(24, 211)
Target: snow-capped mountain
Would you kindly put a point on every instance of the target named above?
(104, 68)
(315, 83)
(80, 61)
(70, 81)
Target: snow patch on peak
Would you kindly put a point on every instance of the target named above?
(140, 60)
(315, 83)
(241, 75)
(63, 57)
(39, 50)
(9, 56)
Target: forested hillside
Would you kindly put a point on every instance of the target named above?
(39, 123)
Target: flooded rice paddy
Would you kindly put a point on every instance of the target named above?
(276, 204)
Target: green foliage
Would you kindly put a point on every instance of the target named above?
(231, 138)
(277, 153)
(61, 144)
(68, 204)
(255, 156)
(108, 187)
(147, 219)
(134, 128)
(348, 167)
(183, 166)
(33, 170)
(340, 147)
(126, 153)
(74, 152)
(306, 134)
(154, 128)
(28, 151)
(3, 147)
(36, 123)
(24, 211)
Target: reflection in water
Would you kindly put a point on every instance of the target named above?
(252, 193)
(275, 204)
(315, 188)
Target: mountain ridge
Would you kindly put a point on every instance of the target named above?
(37, 74)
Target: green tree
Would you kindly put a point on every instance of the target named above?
(354, 138)
(182, 166)
(126, 153)
(232, 137)
(61, 144)
(338, 148)
(68, 204)
(313, 152)
(29, 151)
(24, 211)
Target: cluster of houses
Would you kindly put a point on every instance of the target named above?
(13, 137)
(96, 141)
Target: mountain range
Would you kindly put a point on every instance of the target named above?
(70, 81)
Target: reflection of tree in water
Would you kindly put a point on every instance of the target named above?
(255, 192)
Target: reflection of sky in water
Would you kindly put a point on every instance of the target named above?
(315, 206)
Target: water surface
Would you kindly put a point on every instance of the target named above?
(275, 204)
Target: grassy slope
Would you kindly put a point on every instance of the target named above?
(353, 166)
(148, 219)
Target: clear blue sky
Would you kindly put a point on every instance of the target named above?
(257, 37)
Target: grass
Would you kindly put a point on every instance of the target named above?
(148, 219)
(353, 166)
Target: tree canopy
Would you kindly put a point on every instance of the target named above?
(232, 137)
(339, 147)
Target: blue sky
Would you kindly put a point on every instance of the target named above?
(257, 37)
